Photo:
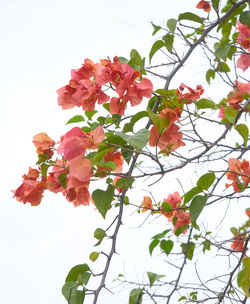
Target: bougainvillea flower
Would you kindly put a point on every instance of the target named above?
(222, 112)
(171, 115)
(53, 183)
(147, 204)
(141, 89)
(174, 200)
(243, 87)
(235, 99)
(30, 191)
(65, 97)
(204, 5)
(78, 196)
(239, 170)
(244, 35)
(183, 219)
(43, 144)
(117, 105)
(116, 157)
(85, 72)
(170, 140)
(194, 94)
(247, 211)
(33, 174)
(79, 172)
(73, 144)
(243, 62)
(238, 242)
(95, 137)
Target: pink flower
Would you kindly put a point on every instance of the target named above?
(194, 94)
(243, 62)
(170, 140)
(222, 112)
(73, 144)
(43, 144)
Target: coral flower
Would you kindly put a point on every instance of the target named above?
(43, 144)
(194, 94)
(147, 204)
(238, 242)
(204, 5)
(240, 169)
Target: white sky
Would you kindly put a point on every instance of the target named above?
(41, 41)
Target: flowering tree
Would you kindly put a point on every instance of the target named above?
(167, 135)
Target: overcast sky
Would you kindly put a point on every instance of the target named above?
(41, 41)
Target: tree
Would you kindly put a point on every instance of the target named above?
(169, 134)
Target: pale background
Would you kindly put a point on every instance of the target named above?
(41, 41)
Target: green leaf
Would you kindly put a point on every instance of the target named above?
(205, 104)
(109, 164)
(180, 230)
(62, 178)
(191, 17)
(171, 24)
(234, 231)
(152, 245)
(138, 141)
(135, 296)
(166, 246)
(135, 57)
(76, 118)
(44, 169)
(71, 294)
(125, 182)
(243, 130)
(153, 277)
(103, 199)
(243, 278)
(206, 245)
(191, 193)
(230, 115)
(222, 67)
(123, 60)
(222, 51)
(100, 154)
(90, 114)
(128, 127)
(197, 205)
(156, 46)
(116, 119)
(210, 74)
(99, 234)
(216, 3)
(94, 256)
(156, 28)
(166, 207)
(206, 180)
(76, 271)
(155, 119)
(190, 250)
(245, 18)
(169, 40)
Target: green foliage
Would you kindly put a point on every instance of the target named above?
(243, 278)
(138, 140)
(245, 18)
(191, 17)
(94, 256)
(191, 193)
(156, 46)
(167, 246)
(196, 206)
(153, 277)
(135, 296)
(103, 199)
(125, 182)
(99, 234)
(77, 270)
(206, 180)
(171, 24)
(71, 294)
(189, 251)
(210, 74)
(205, 104)
(243, 130)
(76, 118)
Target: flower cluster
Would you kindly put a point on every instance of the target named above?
(69, 175)
(85, 87)
(239, 170)
(178, 217)
(244, 40)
